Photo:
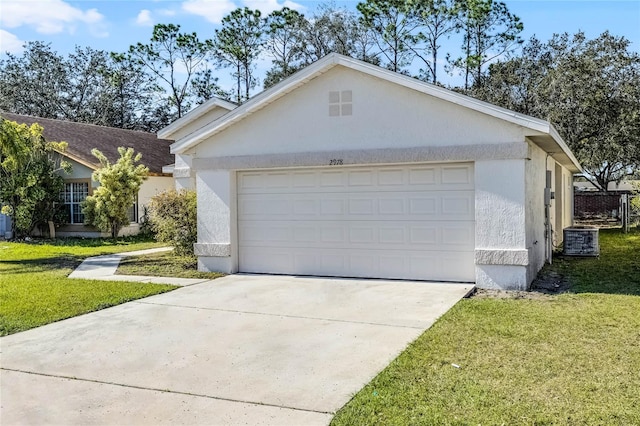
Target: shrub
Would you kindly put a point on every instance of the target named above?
(146, 230)
(107, 209)
(173, 219)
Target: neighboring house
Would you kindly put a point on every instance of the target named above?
(82, 138)
(624, 185)
(594, 205)
(347, 169)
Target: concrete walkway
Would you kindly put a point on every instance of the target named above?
(105, 267)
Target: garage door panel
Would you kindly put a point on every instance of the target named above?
(304, 207)
(258, 234)
(361, 178)
(391, 177)
(380, 235)
(406, 222)
(259, 207)
(451, 235)
(461, 175)
(455, 177)
(395, 206)
(361, 263)
(305, 234)
(459, 205)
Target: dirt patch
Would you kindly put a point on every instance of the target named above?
(545, 286)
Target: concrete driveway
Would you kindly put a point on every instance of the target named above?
(242, 349)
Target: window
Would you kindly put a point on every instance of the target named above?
(74, 194)
(133, 211)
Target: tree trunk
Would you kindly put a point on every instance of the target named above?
(239, 83)
(435, 57)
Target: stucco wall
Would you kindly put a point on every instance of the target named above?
(184, 177)
(568, 198)
(150, 188)
(561, 204)
(535, 183)
(217, 218)
(501, 255)
(78, 171)
(560, 211)
(384, 115)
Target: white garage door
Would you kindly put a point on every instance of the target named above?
(407, 222)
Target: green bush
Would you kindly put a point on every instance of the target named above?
(173, 219)
(635, 203)
(146, 230)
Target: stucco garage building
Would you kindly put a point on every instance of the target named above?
(347, 169)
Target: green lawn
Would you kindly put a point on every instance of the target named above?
(164, 264)
(35, 290)
(572, 358)
(616, 271)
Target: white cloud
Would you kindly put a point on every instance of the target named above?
(212, 10)
(47, 16)
(9, 42)
(268, 6)
(166, 12)
(144, 18)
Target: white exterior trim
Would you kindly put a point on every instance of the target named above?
(182, 172)
(516, 150)
(502, 257)
(199, 111)
(212, 250)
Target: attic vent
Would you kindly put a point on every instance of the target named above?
(581, 241)
(340, 103)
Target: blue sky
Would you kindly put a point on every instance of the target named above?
(114, 25)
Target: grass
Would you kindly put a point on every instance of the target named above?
(567, 359)
(164, 264)
(616, 271)
(35, 290)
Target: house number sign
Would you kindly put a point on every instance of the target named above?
(336, 162)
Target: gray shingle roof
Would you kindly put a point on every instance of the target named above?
(82, 138)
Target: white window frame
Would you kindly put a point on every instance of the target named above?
(75, 199)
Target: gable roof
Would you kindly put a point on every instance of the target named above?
(82, 138)
(542, 132)
(195, 113)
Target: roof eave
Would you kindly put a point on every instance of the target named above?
(199, 111)
(573, 164)
(79, 160)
